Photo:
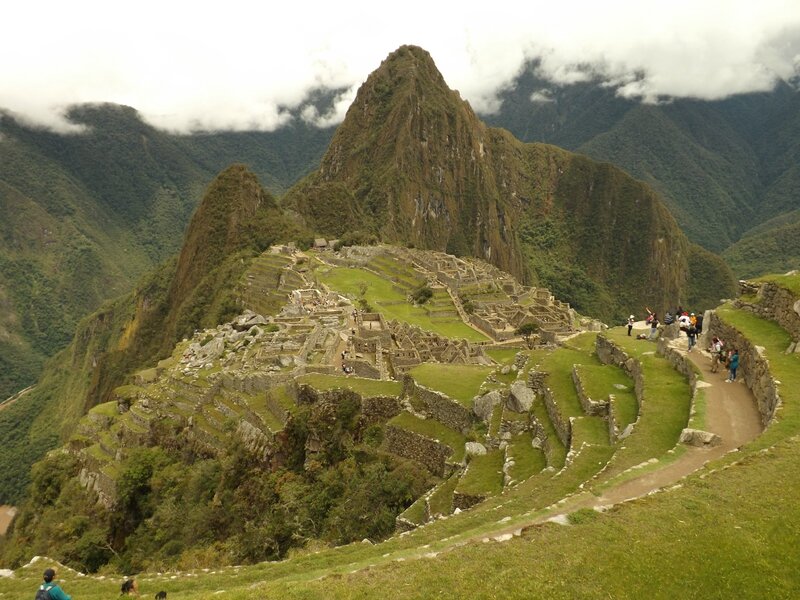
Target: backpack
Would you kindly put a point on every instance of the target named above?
(44, 594)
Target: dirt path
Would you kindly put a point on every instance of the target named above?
(731, 413)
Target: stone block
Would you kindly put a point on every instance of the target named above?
(521, 398)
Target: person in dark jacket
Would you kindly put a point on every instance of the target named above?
(733, 364)
(56, 593)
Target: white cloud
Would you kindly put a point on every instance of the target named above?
(239, 64)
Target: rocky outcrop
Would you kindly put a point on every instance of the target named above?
(483, 406)
(701, 439)
(521, 398)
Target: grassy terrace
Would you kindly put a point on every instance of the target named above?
(601, 381)
(284, 397)
(441, 500)
(459, 382)
(484, 475)
(558, 364)
(789, 282)
(556, 451)
(527, 460)
(365, 387)
(434, 430)
(730, 533)
(381, 295)
(502, 356)
(416, 512)
(664, 412)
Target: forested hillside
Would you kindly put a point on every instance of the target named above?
(723, 167)
(83, 216)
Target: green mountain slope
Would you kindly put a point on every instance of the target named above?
(721, 166)
(83, 216)
(235, 220)
(413, 164)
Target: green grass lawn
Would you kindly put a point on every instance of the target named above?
(503, 356)
(365, 387)
(416, 512)
(600, 381)
(484, 475)
(381, 295)
(459, 382)
(527, 460)
(441, 500)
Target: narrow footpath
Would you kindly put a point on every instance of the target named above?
(731, 413)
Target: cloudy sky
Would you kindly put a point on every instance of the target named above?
(232, 64)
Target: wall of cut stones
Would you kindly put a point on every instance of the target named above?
(774, 303)
(438, 406)
(431, 454)
(753, 367)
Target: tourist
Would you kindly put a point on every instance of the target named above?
(129, 587)
(631, 321)
(699, 324)
(733, 364)
(684, 322)
(691, 334)
(653, 326)
(51, 590)
(716, 353)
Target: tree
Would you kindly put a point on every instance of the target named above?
(527, 331)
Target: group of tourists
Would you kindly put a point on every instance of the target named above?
(692, 325)
(727, 358)
(50, 590)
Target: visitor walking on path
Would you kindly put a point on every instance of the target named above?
(49, 590)
(716, 352)
(631, 321)
(733, 364)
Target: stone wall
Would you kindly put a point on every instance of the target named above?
(774, 303)
(596, 407)
(380, 408)
(611, 354)
(438, 406)
(753, 367)
(562, 425)
(363, 368)
(101, 484)
(431, 454)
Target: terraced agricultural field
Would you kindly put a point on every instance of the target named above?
(383, 295)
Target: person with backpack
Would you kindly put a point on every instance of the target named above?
(49, 590)
(733, 364)
(716, 353)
